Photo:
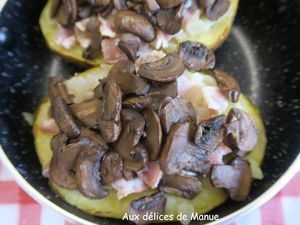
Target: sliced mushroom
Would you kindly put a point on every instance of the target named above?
(87, 112)
(236, 178)
(99, 89)
(144, 206)
(174, 111)
(166, 69)
(209, 133)
(107, 10)
(228, 84)
(123, 73)
(131, 22)
(152, 5)
(129, 44)
(196, 56)
(54, 7)
(180, 156)
(137, 158)
(183, 186)
(241, 130)
(166, 4)
(168, 20)
(67, 13)
(153, 131)
(56, 87)
(99, 2)
(88, 173)
(214, 9)
(166, 89)
(120, 4)
(111, 168)
(138, 103)
(94, 137)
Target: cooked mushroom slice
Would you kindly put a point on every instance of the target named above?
(111, 168)
(184, 186)
(87, 112)
(55, 6)
(137, 158)
(97, 139)
(88, 173)
(175, 111)
(214, 9)
(228, 84)
(129, 44)
(154, 204)
(196, 56)
(107, 10)
(166, 4)
(120, 4)
(180, 155)
(209, 133)
(138, 103)
(241, 130)
(67, 13)
(123, 73)
(236, 178)
(99, 89)
(64, 118)
(152, 5)
(166, 89)
(168, 20)
(166, 69)
(131, 22)
(153, 131)
(63, 161)
(56, 87)
(99, 2)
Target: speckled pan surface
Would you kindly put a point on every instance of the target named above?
(262, 51)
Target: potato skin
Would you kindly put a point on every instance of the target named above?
(213, 38)
(208, 199)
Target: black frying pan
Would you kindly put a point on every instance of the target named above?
(263, 51)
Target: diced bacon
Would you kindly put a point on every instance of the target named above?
(216, 157)
(125, 188)
(111, 52)
(149, 57)
(65, 37)
(49, 126)
(215, 99)
(151, 174)
(107, 29)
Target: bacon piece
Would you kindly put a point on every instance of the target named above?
(151, 174)
(111, 52)
(216, 157)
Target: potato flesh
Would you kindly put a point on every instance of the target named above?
(110, 206)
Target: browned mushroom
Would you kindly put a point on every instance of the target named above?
(109, 121)
(166, 4)
(87, 112)
(214, 9)
(166, 69)
(180, 155)
(111, 168)
(152, 5)
(120, 4)
(88, 173)
(184, 186)
(129, 44)
(236, 178)
(138, 103)
(123, 73)
(99, 2)
(228, 84)
(94, 137)
(168, 20)
(241, 130)
(137, 158)
(99, 89)
(107, 10)
(54, 8)
(67, 13)
(175, 111)
(166, 89)
(56, 87)
(209, 133)
(153, 131)
(196, 56)
(131, 22)
(154, 204)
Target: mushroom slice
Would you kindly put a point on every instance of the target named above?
(138, 103)
(150, 205)
(180, 155)
(123, 73)
(67, 13)
(153, 131)
(129, 44)
(99, 89)
(214, 9)
(166, 89)
(152, 5)
(109, 122)
(129, 21)
(88, 173)
(63, 161)
(175, 111)
(56, 87)
(55, 6)
(100, 3)
(137, 158)
(120, 4)
(96, 138)
(183, 186)
(209, 133)
(111, 168)
(196, 56)
(228, 84)
(168, 21)
(166, 69)
(166, 4)
(64, 118)
(87, 112)
(236, 178)
(241, 130)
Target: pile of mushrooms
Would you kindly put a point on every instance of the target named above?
(135, 21)
(137, 117)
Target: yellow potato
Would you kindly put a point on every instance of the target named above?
(110, 206)
(212, 34)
